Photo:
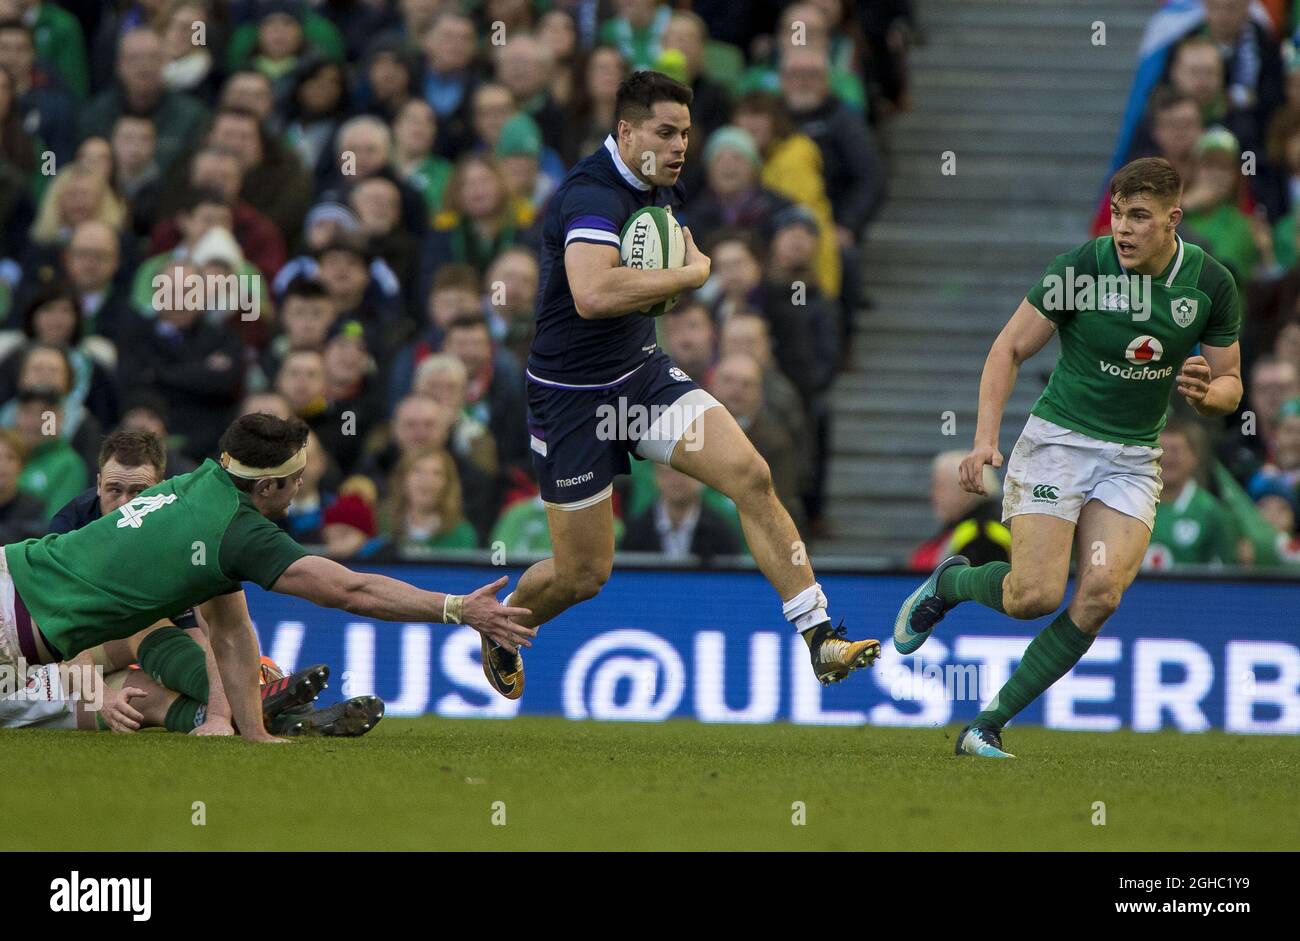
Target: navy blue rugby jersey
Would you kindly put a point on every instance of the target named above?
(592, 204)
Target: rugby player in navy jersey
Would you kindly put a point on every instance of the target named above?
(600, 390)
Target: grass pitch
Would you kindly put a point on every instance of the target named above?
(433, 784)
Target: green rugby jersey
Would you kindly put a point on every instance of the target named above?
(1195, 528)
(1124, 336)
(188, 539)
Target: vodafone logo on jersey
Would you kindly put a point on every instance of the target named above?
(1143, 350)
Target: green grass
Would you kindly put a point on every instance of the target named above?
(430, 784)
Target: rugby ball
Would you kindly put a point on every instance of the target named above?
(652, 238)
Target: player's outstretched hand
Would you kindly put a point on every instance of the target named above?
(214, 725)
(119, 714)
(1194, 379)
(696, 258)
(489, 617)
(972, 468)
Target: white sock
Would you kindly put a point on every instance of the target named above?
(806, 609)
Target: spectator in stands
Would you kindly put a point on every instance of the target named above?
(135, 143)
(679, 525)
(424, 509)
(511, 294)
(364, 149)
(140, 90)
(1272, 382)
(1279, 183)
(302, 381)
(339, 522)
(147, 411)
(738, 384)
(448, 79)
(482, 219)
(317, 106)
(491, 106)
(422, 422)
(46, 106)
(791, 276)
(732, 196)
(523, 528)
(377, 203)
(969, 524)
(250, 90)
(271, 403)
(357, 293)
(205, 209)
(190, 65)
(305, 318)
(78, 194)
(495, 392)
(690, 338)
(851, 164)
(597, 75)
(1192, 527)
(443, 378)
(281, 42)
(792, 167)
(524, 65)
(198, 366)
(1277, 505)
(54, 473)
(805, 27)
(637, 31)
(60, 43)
(415, 132)
(1284, 467)
(389, 76)
(49, 366)
(91, 267)
(1176, 126)
(52, 318)
(557, 28)
(454, 294)
(1211, 211)
(219, 170)
(711, 101)
(22, 516)
(520, 155)
(746, 332)
(350, 389)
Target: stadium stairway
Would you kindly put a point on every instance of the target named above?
(1030, 108)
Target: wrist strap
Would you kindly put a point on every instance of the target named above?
(452, 606)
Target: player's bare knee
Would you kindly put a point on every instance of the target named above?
(586, 582)
(1094, 603)
(1025, 600)
(752, 481)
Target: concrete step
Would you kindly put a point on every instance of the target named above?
(1023, 142)
(1061, 83)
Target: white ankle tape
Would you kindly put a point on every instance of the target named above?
(806, 608)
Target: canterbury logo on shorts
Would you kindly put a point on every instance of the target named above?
(1045, 492)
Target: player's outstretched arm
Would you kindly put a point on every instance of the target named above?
(234, 644)
(1025, 334)
(331, 585)
(602, 287)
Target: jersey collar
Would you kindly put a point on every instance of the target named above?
(630, 178)
(1174, 265)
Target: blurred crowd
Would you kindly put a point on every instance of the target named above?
(373, 174)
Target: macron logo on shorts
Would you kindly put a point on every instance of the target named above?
(574, 481)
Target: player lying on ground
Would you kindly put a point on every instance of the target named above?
(130, 700)
(175, 651)
(594, 352)
(192, 540)
(1086, 469)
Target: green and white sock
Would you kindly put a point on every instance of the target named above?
(1050, 655)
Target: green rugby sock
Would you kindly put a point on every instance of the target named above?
(1049, 657)
(183, 716)
(982, 583)
(172, 658)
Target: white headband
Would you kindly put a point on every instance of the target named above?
(291, 466)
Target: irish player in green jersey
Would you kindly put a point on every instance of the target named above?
(192, 540)
(1131, 310)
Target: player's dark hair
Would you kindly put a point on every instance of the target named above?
(1147, 176)
(134, 448)
(261, 440)
(641, 91)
